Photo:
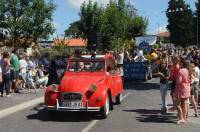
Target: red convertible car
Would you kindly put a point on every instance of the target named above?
(88, 84)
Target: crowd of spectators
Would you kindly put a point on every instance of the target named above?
(19, 72)
(178, 70)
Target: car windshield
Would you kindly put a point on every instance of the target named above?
(85, 66)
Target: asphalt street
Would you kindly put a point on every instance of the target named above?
(139, 112)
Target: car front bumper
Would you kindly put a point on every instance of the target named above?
(60, 108)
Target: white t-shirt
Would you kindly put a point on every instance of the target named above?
(23, 66)
(0, 71)
(197, 73)
(120, 58)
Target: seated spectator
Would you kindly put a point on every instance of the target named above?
(41, 79)
(30, 78)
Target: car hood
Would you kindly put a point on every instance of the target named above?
(78, 83)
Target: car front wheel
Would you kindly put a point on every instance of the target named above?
(105, 109)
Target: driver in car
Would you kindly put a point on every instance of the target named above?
(81, 66)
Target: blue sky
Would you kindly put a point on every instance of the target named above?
(67, 12)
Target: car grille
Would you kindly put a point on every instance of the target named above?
(72, 97)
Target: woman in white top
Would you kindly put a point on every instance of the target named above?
(196, 81)
(23, 68)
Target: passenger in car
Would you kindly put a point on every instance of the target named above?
(99, 66)
(81, 66)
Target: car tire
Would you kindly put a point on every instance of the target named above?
(119, 98)
(105, 109)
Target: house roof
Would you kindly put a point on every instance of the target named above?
(72, 42)
(164, 34)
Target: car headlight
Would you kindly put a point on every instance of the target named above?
(91, 90)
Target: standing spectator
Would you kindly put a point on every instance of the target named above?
(6, 72)
(120, 61)
(174, 69)
(127, 57)
(164, 76)
(53, 77)
(196, 81)
(182, 91)
(1, 80)
(14, 70)
(23, 69)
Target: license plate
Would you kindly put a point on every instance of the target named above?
(72, 104)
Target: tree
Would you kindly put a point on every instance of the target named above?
(90, 22)
(74, 30)
(40, 19)
(197, 25)
(108, 27)
(120, 24)
(137, 27)
(180, 23)
(26, 20)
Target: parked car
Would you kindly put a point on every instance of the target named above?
(88, 84)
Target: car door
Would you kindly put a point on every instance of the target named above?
(113, 77)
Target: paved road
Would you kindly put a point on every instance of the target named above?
(139, 112)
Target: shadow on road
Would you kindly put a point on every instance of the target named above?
(153, 116)
(141, 86)
(42, 115)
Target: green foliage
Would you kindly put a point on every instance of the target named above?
(157, 45)
(90, 21)
(57, 51)
(180, 21)
(27, 20)
(197, 25)
(118, 23)
(106, 26)
(137, 27)
(74, 30)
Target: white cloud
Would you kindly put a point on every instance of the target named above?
(161, 29)
(77, 3)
